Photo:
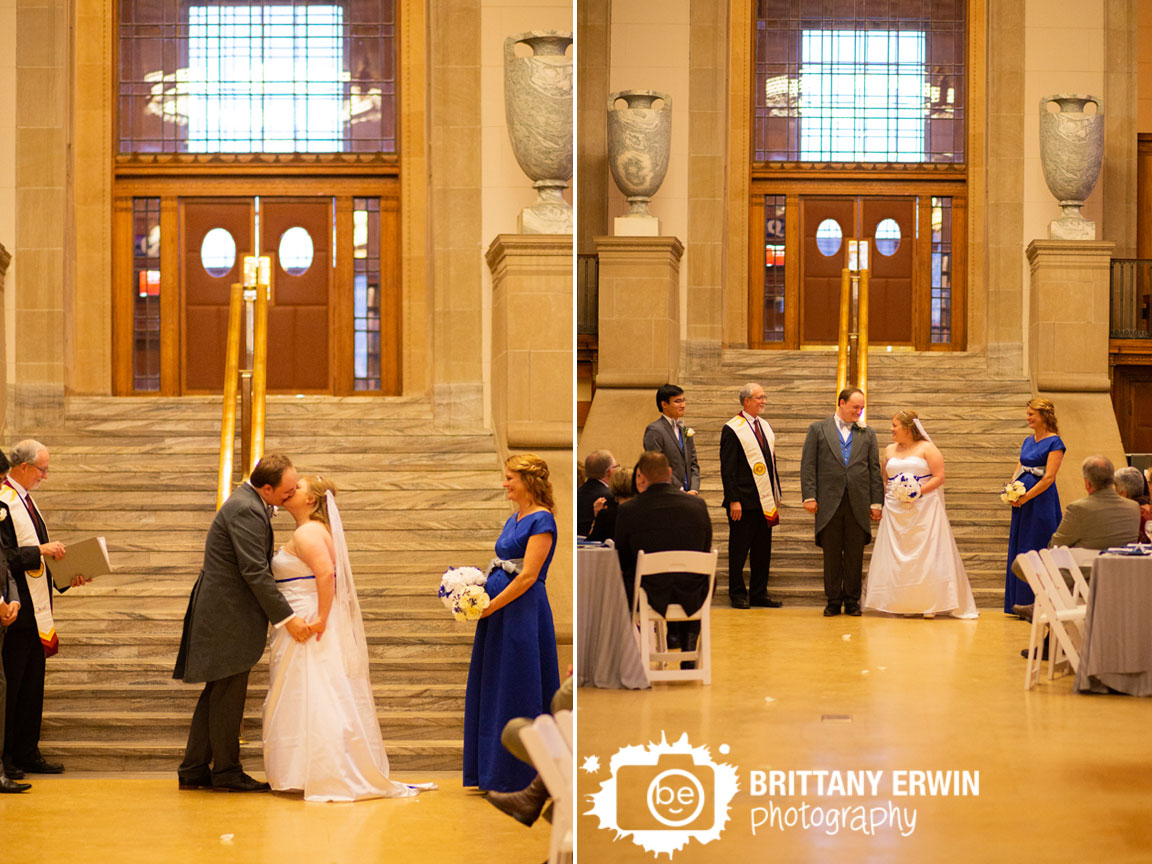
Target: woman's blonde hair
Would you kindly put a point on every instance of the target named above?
(318, 488)
(534, 474)
(907, 418)
(1047, 412)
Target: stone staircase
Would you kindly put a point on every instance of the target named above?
(142, 472)
(977, 422)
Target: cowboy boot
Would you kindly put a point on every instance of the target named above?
(523, 806)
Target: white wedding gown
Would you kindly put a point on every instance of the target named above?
(916, 567)
(321, 732)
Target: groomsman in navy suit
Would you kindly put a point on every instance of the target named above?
(668, 434)
(842, 487)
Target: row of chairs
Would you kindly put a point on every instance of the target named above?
(653, 627)
(1060, 610)
(548, 740)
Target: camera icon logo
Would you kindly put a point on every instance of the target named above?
(665, 795)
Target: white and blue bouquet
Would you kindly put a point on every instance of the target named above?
(462, 592)
(904, 488)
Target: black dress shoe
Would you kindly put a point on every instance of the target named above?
(739, 602)
(202, 781)
(13, 772)
(11, 786)
(42, 766)
(831, 609)
(767, 602)
(853, 609)
(243, 783)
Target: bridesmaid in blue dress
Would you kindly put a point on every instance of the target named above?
(1036, 515)
(514, 670)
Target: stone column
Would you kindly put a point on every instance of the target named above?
(1068, 350)
(5, 260)
(532, 364)
(639, 340)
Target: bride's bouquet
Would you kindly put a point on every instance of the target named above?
(1013, 491)
(462, 592)
(904, 488)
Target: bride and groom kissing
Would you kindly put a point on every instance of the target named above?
(321, 734)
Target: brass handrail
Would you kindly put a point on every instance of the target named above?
(259, 377)
(852, 351)
(845, 318)
(862, 340)
(231, 374)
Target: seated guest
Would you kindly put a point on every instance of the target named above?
(604, 524)
(1130, 484)
(1100, 520)
(599, 467)
(661, 518)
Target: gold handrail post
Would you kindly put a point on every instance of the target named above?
(259, 373)
(231, 374)
(845, 311)
(862, 342)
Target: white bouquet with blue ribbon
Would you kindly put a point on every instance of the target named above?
(904, 488)
(462, 592)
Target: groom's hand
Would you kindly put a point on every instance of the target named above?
(735, 511)
(810, 506)
(298, 629)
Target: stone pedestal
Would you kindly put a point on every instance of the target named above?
(639, 340)
(531, 340)
(1068, 350)
(636, 226)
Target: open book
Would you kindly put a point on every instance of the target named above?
(87, 558)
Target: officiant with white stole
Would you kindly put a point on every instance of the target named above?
(32, 636)
(842, 487)
(751, 498)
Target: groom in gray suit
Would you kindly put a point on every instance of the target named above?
(226, 625)
(667, 434)
(842, 487)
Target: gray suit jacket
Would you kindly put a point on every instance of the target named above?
(1098, 521)
(824, 476)
(226, 625)
(660, 437)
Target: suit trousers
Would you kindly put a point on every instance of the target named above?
(215, 734)
(843, 542)
(3, 690)
(749, 534)
(24, 700)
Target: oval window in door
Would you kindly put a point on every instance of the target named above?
(828, 237)
(296, 251)
(218, 252)
(887, 237)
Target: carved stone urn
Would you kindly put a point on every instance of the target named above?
(538, 108)
(639, 144)
(1071, 149)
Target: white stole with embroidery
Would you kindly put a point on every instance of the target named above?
(37, 579)
(755, 457)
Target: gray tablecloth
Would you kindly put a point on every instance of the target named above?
(1117, 651)
(607, 653)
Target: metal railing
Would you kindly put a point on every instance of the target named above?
(248, 301)
(1130, 298)
(852, 357)
(587, 295)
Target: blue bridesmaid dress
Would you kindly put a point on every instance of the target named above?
(1034, 523)
(514, 671)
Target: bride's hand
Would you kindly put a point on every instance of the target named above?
(317, 627)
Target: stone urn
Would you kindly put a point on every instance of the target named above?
(639, 144)
(538, 108)
(1071, 149)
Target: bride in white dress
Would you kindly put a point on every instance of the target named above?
(321, 732)
(916, 567)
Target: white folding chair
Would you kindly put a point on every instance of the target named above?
(1065, 559)
(553, 760)
(564, 724)
(1063, 600)
(677, 561)
(1047, 615)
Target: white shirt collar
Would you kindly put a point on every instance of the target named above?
(748, 416)
(20, 490)
(671, 422)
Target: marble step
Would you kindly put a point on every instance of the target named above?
(169, 695)
(145, 500)
(130, 672)
(382, 407)
(277, 431)
(125, 523)
(171, 727)
(406, 758)
(404, 482)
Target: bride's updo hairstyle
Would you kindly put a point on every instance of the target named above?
(1047, 412)
(907, 419)
(533, 473)
(318, 488)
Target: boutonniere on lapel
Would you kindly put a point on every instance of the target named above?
(689, 432)
(858, 427)
(3, 514)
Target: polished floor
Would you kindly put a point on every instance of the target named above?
(144, 818)
(1062, 776)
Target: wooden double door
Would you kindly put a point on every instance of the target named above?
(299, 308)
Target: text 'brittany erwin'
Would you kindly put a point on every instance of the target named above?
(902, 783)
